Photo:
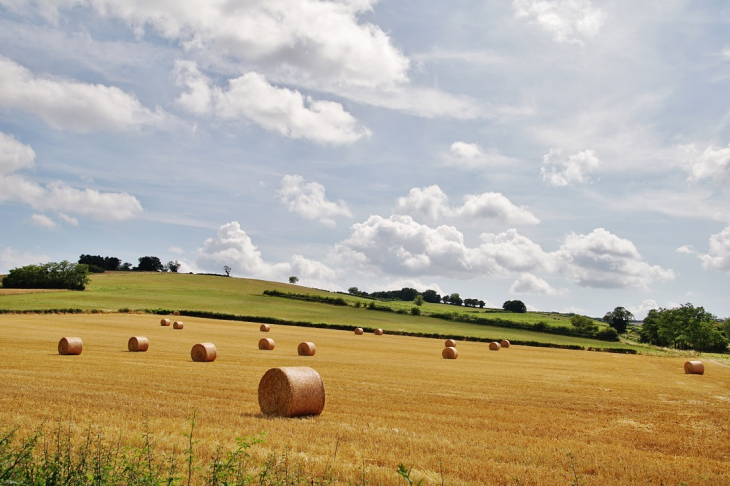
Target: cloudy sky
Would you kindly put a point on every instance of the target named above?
(573, 154)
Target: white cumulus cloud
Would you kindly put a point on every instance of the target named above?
(432, 203)
(281, 110)
(43, 221)
(234, 248)
(528, 283)
(569, 21)
(57, 196)
(72, 105)
(717, 259)
(601, 259)
(308, 200)
(472, 156)
(713, 164)
(561, 172)
(11, 258)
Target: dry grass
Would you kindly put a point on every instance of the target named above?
(390, 400)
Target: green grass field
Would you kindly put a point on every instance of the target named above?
(137, 291)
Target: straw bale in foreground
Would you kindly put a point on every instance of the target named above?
(495, 346)
(291, 392)
(358, 330)
(378, 332)
(694, 368)
(177, 325)
(265, 328)
(70, 345)
(165, 322)
(266, 344)
(504, 343)
(450, 343)
(204, 352)
(138, 344)
(306, 349)
(450, 352)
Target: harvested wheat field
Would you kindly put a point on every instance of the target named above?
(512, 417)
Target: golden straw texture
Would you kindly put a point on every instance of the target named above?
(70, 345)
(495, 346)
(694, 368)
(177, 325)
(450, 343)
(291, 392)
(203, 352)
(358, 330)
(504, 343)
(265, 328)
(450, 352)
(266, 344)
(306, 349)
(378, 332)
(138, 344)
(165, 322)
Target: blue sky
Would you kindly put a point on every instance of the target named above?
(573, 154)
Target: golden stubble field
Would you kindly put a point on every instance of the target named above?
(506, 417)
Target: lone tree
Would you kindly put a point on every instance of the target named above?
(173, 266)
(227, 269)
(516, 306)
(293, 279)
(149, 264)
(618, 319)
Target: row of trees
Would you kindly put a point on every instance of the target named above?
(63, 275)
(98, 264)
(430, 295)
(685, 327)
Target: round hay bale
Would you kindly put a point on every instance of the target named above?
(450, 352)
(450, 343)
(358, 330)
(265, 328)
(177, 325)
(504, 343)
(70, 346)
(291, 392)
(266, 344)
(378, 332)
(165, 322)
(694, 368)
(176, 313)
(494, 346)
(306, 349)
(138, 344)
(204, 352)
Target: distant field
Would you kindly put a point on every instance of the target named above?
(116, 290)
(502, 418)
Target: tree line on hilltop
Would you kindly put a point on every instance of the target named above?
(408, 294)
(99, 264)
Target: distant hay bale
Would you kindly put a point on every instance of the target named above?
(694, 368)
(70, 345)
(265, 328)
(358, 330)
(138, 344)
(450, 352)
(378, 332)
(306, 349)
(165, 322)
(504, 343)
(177, 325)
(203, 352)
(450, 343)
(176, 313)
(495, 346)
(266, 344)
(291, 392)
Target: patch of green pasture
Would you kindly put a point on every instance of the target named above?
(136, 291)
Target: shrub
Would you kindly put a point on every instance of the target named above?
(416, 311)
(607, 334)
(63, 275)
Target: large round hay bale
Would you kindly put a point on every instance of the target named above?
(306, 349)
(504, 343)
(165, 322)
(266, 344)
(70, 345)
(291, 392)
(177, 325)
(358, 330)
(378, 332)
(495, 346)
(450, 343)
(138, 344)
(450, 352)
(694, 368)
(176, 313)
(265, 328)
(204, 352)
